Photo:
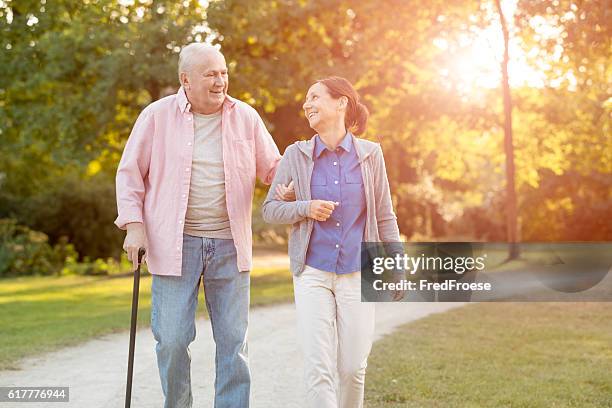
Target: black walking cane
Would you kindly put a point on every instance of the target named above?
(128, 389)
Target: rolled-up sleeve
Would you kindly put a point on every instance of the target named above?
(133, 169)
(267, 156)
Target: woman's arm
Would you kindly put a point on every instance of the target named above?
(385, 216)
(282, 212)
(388, 230)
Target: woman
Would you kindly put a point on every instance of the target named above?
(342, 198)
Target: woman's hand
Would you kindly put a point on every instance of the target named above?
(321, 210)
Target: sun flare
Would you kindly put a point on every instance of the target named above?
(473, 58)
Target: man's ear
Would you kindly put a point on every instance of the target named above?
(343, 103)
(185, 80)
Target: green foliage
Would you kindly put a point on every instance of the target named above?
(27, 252)
(24, 251)
(568, 207)
(77, 208)
(69, 71)
(109, 266)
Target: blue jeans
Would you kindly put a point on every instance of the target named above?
(174, 303)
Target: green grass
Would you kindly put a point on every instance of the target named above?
(39, 314)
(497, 355)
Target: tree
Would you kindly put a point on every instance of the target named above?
(568, 196)
(73, 78)
(511, 211)
(74, 75)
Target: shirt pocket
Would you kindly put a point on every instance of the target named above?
(353, 190)
(353, 178)
(318, 186)
(244, 157)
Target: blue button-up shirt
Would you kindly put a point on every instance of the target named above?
(335, 244)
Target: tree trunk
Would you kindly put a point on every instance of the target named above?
(511, 207)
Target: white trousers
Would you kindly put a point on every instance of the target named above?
(335, 333)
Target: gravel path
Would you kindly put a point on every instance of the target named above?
(96, 371)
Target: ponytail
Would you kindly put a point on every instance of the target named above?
(356, 117)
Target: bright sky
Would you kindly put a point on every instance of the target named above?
(477, 65)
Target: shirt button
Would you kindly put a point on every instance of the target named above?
(186, 168)
(335, 181)
(337, 224)
(180, 221)
(184, 195)
(188, 117)
(178, 247)
(337, 246)
(189, 144)
(335, 163)
(337, 202)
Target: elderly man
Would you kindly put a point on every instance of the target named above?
(184, 192)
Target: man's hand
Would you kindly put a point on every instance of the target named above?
(285, 193)
(135, 239)
(321, 210)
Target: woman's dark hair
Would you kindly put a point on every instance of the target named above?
(356, 117)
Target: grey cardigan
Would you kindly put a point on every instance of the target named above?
(297, 164)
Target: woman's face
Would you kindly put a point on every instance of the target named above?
(321, 109)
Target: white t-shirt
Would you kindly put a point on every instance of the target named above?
(206, 209)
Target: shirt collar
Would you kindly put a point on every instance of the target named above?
(185, 106)
(346, 144)
(183, 102)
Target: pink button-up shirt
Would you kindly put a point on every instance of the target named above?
(155, 172)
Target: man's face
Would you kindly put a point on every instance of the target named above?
(206, 83)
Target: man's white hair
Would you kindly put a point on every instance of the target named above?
(189, 55)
